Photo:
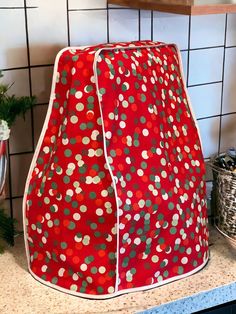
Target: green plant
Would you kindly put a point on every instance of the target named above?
(7, 229)
(10, 108)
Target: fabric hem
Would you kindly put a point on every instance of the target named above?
(120, 292)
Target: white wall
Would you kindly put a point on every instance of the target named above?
(31, 36)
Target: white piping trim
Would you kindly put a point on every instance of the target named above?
(39, 144)
(121, 292)
(109, 168)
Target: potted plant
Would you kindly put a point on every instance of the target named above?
(11, 107)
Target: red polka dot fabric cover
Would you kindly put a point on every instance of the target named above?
(115, 196)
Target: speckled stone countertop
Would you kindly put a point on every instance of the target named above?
(215, 284)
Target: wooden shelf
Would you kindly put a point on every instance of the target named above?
(187, 7)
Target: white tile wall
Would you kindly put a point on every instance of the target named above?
(12, 3)
(88, 4)
(231, 30)
(213, 28)
(171, 28)
(229, 101)
(17, 205)
(22, 129)
(209, 130)
(39, 117)
(45, 41)
(20, 80)
(228, 132)
(83, 25)
(41, 83)
(48, 30)
(13, 52)
(145, 24)
(205, 66)
(19, 169)
(184, 56)
(123, 25)
(206, 99)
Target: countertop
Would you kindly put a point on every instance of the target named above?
(214, 285)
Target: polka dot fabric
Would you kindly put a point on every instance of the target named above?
(115, 197)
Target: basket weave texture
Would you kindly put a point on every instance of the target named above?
(224, 201)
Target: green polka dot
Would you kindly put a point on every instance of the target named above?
(83, 126)
(63, 80)
(131, 99)
(89, 259)
(94, 270)
(68, 198)
(40, 161)
(102, 91)
(63, 245)
(171, 205)
(88, 88)
(180, 270)
(173, 230)
(68, 153)
(66, 211)
(71, 225)
(56, 222)
(74, 204)
(100, 289)
(92, 195)
(93, 226)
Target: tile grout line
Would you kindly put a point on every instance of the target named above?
(188, 54)
(152, 28)
(29, 70)
(108, 23)
(68, 22)
(222, 87)
(139, 24)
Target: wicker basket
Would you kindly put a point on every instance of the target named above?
(224, 201)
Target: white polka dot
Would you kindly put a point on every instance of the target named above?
(140, 172)
(78, 95)
(144, 154)
(144, 88)
(111, 289)
(61, 272)
(184, 260)
(122, 124)
(76, 216)
(104, 193)
(108, 135)
(145, 132)
(99, 212)
(75, 277)
(137, 241)
(158, 151)
(70, 192)
(47, 216)
(74, 119)
(101, 269)
(83, 267)
(44, 268)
